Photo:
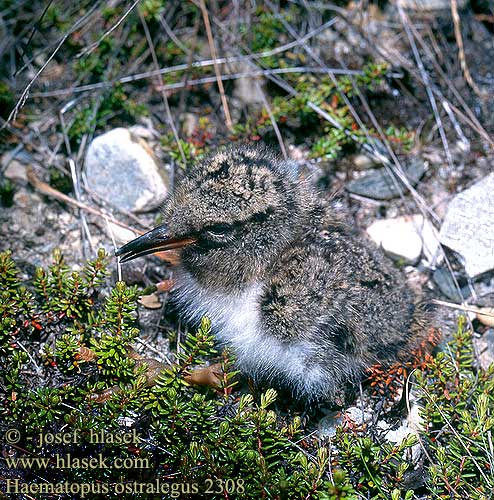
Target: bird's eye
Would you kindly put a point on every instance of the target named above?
(219, 230)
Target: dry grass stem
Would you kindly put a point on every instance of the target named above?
(168, 112)
(47, 190)
(461, 51)
(212, 48)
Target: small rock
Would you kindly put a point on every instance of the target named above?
(489, 338)
(404, 238)
(485, 293)
(121, 234)
(190, 122)
(363, 162)
(126, 421)
(151, 301)
(468, 227)
(439, 198)
(327, 425)
(486, 316)
(298, 153)
(443, 279)
(380, 185)
(143, 132)
(16, 154)
(249, 90)
(16, 171)
(484, 345)
(358, 415)
(122, 171)
(398, 435)
(25, 199)
(431, 5)
(413, 423)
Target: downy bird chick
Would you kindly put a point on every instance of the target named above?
(301, 301)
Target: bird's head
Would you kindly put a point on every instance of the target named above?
(231, 214)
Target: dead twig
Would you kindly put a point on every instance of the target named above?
(459, 307)
(47, 190)
(456, 125)
(77, 192)
(112, 236)
(212, 48)
(163, 93)
(93, 46)
(461, 51)
(428, 87)
(198, 81)
(35, 28)
(272, 118)
(25, 93)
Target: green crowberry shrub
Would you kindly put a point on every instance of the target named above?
(72, 392)
(79, 417)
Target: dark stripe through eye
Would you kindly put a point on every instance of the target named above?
(222, 229)
(219, 229)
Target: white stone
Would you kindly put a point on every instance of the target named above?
(404, 238)
(121, 170)
(362, 162)
(398, 435)
(430, 5)
(415, 419)
(143, 132)
(357, 415)
(249, 90)
(16, 171)
(468, 227)
(326, 427)
(431, 248)
(26, 199)
(298, 153)
(119, 233)
(190, 122)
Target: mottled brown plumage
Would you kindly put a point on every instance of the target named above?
(301, 300)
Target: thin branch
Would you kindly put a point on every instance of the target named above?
(272, 119)
(33, 31)
(425, 79)
(22, 99)
(94, 45)
(163, 93)
(459, 307)
(456, 125)
(461, 50)
(112, 236)
(199, 81)
(47, 190)
(77, 192)
(212, 48)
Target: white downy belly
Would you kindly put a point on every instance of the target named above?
(236, 323)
